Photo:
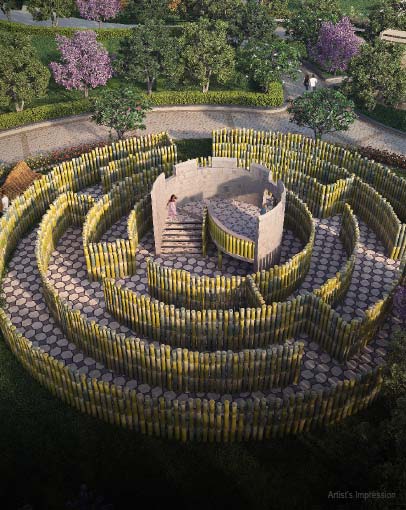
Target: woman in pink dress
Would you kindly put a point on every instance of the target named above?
(172, 206)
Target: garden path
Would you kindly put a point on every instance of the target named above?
(184, 122)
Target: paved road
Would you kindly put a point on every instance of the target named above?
(184, 124)
(26, 18)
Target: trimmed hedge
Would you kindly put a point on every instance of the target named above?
(273, 98)
(387, 115)
(45, 112)
(104, 34)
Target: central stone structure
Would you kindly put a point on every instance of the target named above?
(224, 179)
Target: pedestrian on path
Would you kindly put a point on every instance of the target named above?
(4, 202)
(306, 81)
(172, 206)
(313, 82)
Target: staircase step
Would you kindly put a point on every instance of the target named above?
(188, 243)
(181, 238)
(176, 251)
(184, 222)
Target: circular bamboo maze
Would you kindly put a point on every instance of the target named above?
(171, 345)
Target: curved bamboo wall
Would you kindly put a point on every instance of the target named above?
(194, 418)
(116, 258)
(284, 152)
(180, 288)
(170, 368)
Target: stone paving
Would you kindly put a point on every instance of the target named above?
(181, 124)
(67, 272)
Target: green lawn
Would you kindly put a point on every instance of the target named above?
(350, 7)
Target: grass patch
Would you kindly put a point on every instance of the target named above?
(49, 449)
(357, 8)
(193, 148)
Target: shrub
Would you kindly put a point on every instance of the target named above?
(104, 34)
(391, 159)
(387, 115)
(273, 98)
(40, 113)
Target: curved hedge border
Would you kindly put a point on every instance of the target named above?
(104, 34)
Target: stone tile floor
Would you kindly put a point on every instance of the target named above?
(67, 272)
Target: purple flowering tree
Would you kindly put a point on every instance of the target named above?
(85, 62)
(99, 10)
(337, 44)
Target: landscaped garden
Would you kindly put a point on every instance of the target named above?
(222, 319)
(228, 55)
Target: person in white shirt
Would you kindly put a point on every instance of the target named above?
(4, 202)
(313, 82)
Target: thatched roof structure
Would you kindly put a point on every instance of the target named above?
(18, 180)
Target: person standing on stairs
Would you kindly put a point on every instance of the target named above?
(172, 206)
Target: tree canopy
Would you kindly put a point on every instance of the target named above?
(120, 109)
(149, 53)
(323, 111)
(206, 52)
(43, 10)
(377, 74)
(385, 14)
(269, 60)
(99, 10)
(305, 22)
(22, 76)
(336, 45)
(85, 62)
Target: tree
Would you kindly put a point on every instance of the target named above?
(386, 14)
(269, 60)
(43, 10)
(229, 11)
(277, 8)
(206, 53)
(98, 10)
(336, 46)
(120, 109)
(323, 111)
(376, 75)
(225, 10)
(144, 10)
(305, 22)
(85, 62)
(22, 76)
(258, 21)
(150, 52)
